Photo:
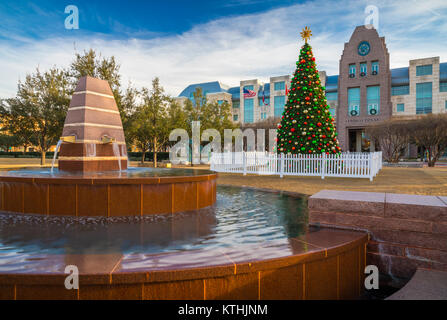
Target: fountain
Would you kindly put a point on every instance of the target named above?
(144, 233)
(99, 183)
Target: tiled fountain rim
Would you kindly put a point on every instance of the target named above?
(116, 275)
(210, 175)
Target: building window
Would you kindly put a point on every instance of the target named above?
(353, 102)
(423, 97)
(375, 67)
(400, 107)
(351, 70)
(279, 102)
(400, 90)
(280, 85)
(248, 110)
(424, 70)
(250, 87)
(363, 69)
(331, 96)
(265, 103)
(332, 111)
(236, 104)
(219, 102)
(445, 104)
(263, 115)
(443, 87)
(373, 100)
(235, 117)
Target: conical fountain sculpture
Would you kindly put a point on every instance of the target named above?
(93, 178)
(93, 122)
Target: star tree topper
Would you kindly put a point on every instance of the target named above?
(306, 34)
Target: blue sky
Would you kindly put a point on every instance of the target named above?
(185, 42)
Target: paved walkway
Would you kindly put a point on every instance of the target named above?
(425, 285)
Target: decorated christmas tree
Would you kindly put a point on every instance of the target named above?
(306, 126)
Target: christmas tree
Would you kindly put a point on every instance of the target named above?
(306, 126)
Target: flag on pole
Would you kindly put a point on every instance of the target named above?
(263, 96)
(249, 93)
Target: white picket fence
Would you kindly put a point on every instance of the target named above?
(350, 164)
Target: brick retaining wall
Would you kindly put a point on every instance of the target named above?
(407, 231)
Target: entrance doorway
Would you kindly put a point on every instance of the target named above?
(359, 142)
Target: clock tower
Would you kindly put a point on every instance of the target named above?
(364, 85)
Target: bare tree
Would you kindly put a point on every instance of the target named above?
(393, 136)
(430, 132)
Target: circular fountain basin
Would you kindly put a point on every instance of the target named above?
(251, 244)
(133, 192)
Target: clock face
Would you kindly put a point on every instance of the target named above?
(364, 48)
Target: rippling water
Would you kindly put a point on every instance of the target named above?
(131, 172)
(241, 216)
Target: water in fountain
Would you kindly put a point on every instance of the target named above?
(55, 154)
(117, 153)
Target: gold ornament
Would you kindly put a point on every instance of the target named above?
(306, 34)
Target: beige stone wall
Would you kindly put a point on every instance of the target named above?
(438, 98)
(214, 97)
(274, 93)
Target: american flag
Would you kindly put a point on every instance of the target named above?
(249, 93)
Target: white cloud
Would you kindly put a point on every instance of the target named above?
(241, 47)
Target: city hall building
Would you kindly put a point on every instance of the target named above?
(365, 91)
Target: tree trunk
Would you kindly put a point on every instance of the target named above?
(155, 152)
(43, 155)
(143, 153)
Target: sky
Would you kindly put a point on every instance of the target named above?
(192, 41)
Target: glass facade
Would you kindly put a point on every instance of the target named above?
(353, 102)
(424, 70)
(248, 110)
(373, 100)
(375, 67)
(423, 97)
(352, 69)
(442, 86)
(250, 87)
(331, 96)
(400, 107)
(332, 111)
(280, 85)
(400, 90)
(363, 68)
(279, 102)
